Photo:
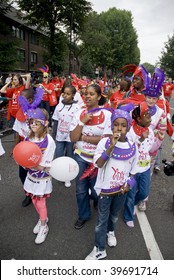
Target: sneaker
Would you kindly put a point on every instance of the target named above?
(142, 206)
(79, 223)
(42, 234)
(27, 201)
(156, 169)
(37, 226)
(112, 241)
(67, 184)
(130, 224)
(96, 254)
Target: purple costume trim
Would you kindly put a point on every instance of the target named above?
(152, 110)
(104, 156)
(110, 191)
(122, 154)
(131, 182)
(37, 173)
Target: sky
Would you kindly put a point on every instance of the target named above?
(152, 19)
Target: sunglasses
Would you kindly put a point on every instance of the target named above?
(35, 122)
(45, 77)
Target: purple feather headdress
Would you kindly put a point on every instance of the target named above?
(25, 105)
(153, 85)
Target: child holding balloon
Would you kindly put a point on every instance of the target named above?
(38, 182)
(63, 115)
(29, 98)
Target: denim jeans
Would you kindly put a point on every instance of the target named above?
(109, 208)
(137, 194)
(64, 148)
(82, 190)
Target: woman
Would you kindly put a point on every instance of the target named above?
(87, 128)
(14, 92)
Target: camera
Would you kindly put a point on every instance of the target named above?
(168, 167)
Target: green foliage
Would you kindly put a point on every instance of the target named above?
(167, 58)
(8, 58)
(150, 68)
(111, 39)
(52, 16)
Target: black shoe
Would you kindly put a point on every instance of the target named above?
(79, 224)
(27, 201)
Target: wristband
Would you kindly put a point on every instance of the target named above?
(131, 182)
(81, 123)
(104, 156)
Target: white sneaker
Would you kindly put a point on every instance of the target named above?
(42, 234)
(156, 169)
(142, 206)
(67, 184)
(130, 224)
(37, 226)
(96, 254)
(112, 241)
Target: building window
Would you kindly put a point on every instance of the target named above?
(18, 32)
(33, 57)
(34, 39)
(21, 54)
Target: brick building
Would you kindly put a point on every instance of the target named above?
(31, 42)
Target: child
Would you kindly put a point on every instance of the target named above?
(28, 99)
(38, 183)
(143, 136)
(116, 158)
(62, 117)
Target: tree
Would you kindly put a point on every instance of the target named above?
(111, 39)
(150, 68)
(167, 58)
(8, 58)
(58, 19)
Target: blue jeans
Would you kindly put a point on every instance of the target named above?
(82, 190)
(64, 148)
(109, 208)
(137, 194)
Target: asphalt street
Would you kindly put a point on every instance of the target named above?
(63, 241)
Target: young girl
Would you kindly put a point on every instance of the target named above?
(38, 182)
(62, 117)
(28, 99)
(88, 127)
(141, 134)
(14, 92)
(116, 158)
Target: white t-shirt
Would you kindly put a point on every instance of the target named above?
(77, 97)
(40, 185)
(21, 128)
(155, 118)
(116, 172)
(64, 115)
(1, 149)
(144, 148)
(92, 130)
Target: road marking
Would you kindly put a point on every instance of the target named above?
(151, 244)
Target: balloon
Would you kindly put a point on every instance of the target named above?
(64, 169)
(27, 154)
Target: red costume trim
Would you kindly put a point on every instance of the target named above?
(95, 119)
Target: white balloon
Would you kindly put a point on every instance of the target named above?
(64, 169)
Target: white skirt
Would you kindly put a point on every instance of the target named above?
(37, 186)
